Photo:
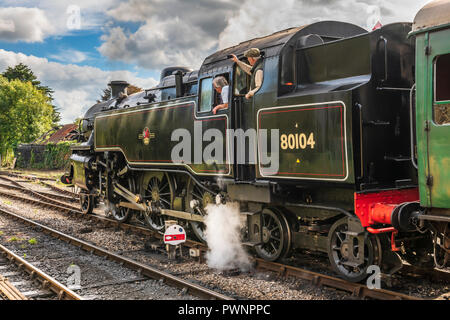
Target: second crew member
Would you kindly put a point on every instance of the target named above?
(255, 69)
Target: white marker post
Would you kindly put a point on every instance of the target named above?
(174, 236)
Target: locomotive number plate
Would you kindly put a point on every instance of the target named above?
(312, 141)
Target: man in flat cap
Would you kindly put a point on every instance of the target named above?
(255, 69)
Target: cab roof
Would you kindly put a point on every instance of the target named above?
(433, 15)
(273, 44)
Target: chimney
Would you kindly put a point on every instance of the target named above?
(117, 87)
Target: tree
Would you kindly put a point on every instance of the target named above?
(56, 115)
(25, 113)
(23, 73)
(133, 89)
(106, 95)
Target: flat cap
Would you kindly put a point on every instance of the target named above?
(253, 52)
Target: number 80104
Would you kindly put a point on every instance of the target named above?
(297, 141)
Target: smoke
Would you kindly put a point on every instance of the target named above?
(220, 183)
(223, 224)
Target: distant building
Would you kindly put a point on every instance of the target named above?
(62, 133)
(36, 149)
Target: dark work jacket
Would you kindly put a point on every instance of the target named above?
(258, 66)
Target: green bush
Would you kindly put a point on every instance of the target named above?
(56, 156)
(32, 158)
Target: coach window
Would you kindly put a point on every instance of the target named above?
(441, 105)
(206, 95)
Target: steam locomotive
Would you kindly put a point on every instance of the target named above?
(363, 127)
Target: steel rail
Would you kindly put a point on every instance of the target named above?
(49, 185)
(8, 291)
(318, 279)
(32, 192)
(143, 269)
(47, 282)
(21, 175)
(434, 274)
(60, 207)
(45, 194)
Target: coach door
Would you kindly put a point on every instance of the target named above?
(438, 119)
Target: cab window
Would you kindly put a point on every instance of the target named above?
(206, 95)
(441, 105)
(218, 96)
(191, 89)
(168, 93)
(241, 82)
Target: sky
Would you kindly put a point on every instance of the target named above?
(77, 47)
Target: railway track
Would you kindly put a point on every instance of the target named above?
(318, 279)
(8, 291)
(141, 269)
(42, 194)
(42, 181)
(48, 286)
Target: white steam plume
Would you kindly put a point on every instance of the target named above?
(223, 224)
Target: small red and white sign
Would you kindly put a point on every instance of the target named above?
(377, 26)
(174, 235)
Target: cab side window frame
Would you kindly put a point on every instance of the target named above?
(239, 74)
(441, 90)
(205, 95)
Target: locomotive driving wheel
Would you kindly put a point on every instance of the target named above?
(441, 253)
(276, 235)
(341, 244)
(204, 198)
(160, 190)
(86, 203)
(122, 214)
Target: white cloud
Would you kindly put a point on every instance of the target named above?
(185, 32)
(172, 32)
(70, 56)
(255, 19)
(157, 44)
(24, 24)
(36, 20)
(76, 87)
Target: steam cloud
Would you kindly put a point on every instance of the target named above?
(223, 224)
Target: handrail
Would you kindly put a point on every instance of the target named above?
(412, 125)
